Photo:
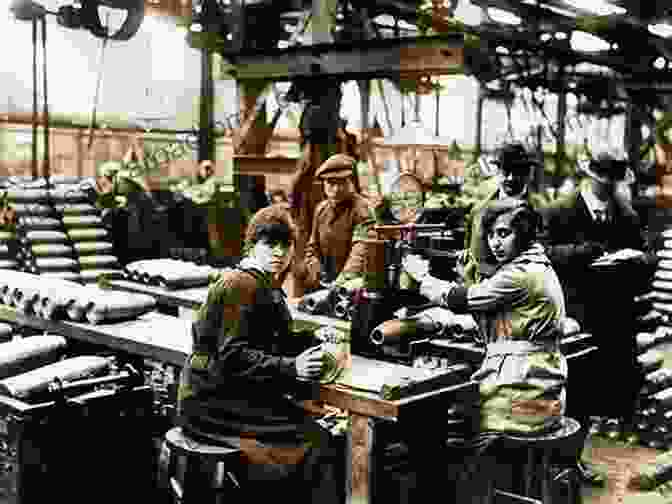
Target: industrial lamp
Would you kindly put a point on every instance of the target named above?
(86, 16)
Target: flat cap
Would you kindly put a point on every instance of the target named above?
(337, 166)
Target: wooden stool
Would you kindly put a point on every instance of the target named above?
(566, 439)
(197, 487)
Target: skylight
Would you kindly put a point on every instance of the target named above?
(384, 19)
(594, 69)
(662, 30)
(468, 13)
(558, 10)
(403, 25)
(599, 7)
(585, 42)
(503, 16)
(659, 63)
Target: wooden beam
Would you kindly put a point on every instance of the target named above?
(252, 105)
(441, 55)
(262, 165)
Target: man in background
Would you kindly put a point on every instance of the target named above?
(515, 167)
(581, 227)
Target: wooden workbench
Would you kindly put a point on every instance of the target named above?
(168, 339)
(152, 335)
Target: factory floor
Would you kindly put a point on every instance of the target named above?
(618, 461)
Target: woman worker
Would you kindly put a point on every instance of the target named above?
(519, 311)
(234, 384)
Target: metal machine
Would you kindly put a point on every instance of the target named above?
(82, 441)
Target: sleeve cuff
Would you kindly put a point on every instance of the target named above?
(456, 299)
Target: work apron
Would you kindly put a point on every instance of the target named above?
(522, 387)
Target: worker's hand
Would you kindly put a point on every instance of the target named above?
(309, 363)
(569, 326)
(463, 256)
(416, 267)
(376, 201)
(434, 289)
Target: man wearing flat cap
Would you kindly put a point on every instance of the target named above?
(334, 252)
(514, 172)
(592, 220)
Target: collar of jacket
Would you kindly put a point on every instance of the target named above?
(534, 254)
(522, 196)
(248, 263)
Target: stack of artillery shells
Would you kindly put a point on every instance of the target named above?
(90, 240)
(169, 273)
(662, 283)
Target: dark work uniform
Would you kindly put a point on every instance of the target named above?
(601, 300)
(235, 383)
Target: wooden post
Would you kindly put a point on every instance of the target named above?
(437, 114)
(365, 97)
(46, 169)
(416, 106)
(633, 140)
(361, 440)
(478, 141)
(206, 113)
(80, 152)
(33, 165)
(252, 135)
(386, 107)
(560, 150)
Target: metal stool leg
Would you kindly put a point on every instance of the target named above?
(194, 485)
(489, 491)
(529, 471)
(174, 486)
(546, 494)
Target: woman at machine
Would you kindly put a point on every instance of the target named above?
(233, 386)
(520, 311)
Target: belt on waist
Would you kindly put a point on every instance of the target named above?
(520, 347)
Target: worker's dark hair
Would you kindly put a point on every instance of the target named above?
(524, 220)
(276, 232)
(272, 224)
